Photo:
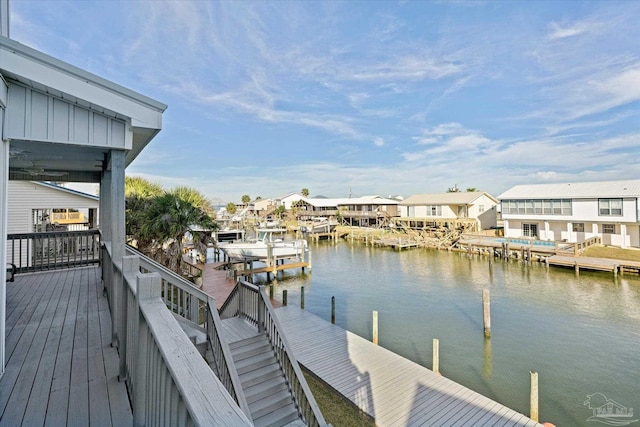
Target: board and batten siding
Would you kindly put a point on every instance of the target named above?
(24, 196)
(38, 116)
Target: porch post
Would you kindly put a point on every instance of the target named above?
(4, 192)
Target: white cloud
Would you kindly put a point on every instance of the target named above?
(559, 31)
(378, 142)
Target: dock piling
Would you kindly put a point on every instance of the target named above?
(333, 310)
(534, 396)
(271, 291)
(302, 297)
(486, 311)
(284, 297)
(375, 327)
(436, 356)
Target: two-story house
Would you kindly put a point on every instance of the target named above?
(574, 212)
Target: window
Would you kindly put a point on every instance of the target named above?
(608, 229)
(530, 230)
(610, 207)
(538, 207)
(578, 227)
(480, 208)
(434, 210)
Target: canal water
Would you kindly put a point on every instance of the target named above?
(581, 334)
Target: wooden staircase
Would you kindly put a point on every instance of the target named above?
(263, 382)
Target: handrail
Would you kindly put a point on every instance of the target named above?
(169, 382)
(51, 250)
(180, 295)
(222, 360)
(263, 315)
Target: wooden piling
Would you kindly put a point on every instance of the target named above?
(302, 297)
(534, 396)
(486, 311)
(375, 327)
(333, 310)
(436, 356)
(271, 291)
(284, 297)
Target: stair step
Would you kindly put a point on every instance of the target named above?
(255, 362)
(270, 404)
(265, 388)
(259, 337)
(253, 349)
(260, 375)
(281, 417)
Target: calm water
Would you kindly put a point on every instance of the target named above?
(581, 334)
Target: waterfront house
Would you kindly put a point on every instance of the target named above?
(368, 211)
(289, 200)
(264, 207)
(471, 211)
(365, 211)
(574, 212)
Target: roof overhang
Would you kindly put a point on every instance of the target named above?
(46, 74)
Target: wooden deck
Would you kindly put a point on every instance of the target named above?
(390, 388)
(61, 369)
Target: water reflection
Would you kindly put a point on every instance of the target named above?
(581, 334)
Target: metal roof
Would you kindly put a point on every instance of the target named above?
(66, 190)
(458, 198)
(575, 190)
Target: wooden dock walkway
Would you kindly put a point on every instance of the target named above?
(390, 388)
(397, 243)
(598, 264)
(61, 368)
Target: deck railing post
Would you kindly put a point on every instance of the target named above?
(130, 266)
(261, 309)
(148, 287)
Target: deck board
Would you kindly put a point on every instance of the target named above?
(60, 367)
(390, 388)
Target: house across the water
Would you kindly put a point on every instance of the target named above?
(574, 212)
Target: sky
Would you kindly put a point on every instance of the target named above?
(364, 97)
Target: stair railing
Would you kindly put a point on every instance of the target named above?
(269, 324)
(222, 363)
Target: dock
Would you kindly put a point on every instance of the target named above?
(595, 264)
(396, 243)
(391, 389)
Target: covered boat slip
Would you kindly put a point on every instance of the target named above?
(61, 368)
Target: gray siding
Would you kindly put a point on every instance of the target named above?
(38, 116)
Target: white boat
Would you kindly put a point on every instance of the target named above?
(267, 241)
(320, 225)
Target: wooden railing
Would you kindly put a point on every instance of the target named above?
(168, 380)
(53, 249)
(222, 360)
(252, 303)
(579, 247)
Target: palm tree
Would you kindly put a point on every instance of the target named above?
(305, 192)
(453, 189)
(246, 199)
(472, 190)
(231, 208)
(195, 198)
(168, 220)
(138, 193)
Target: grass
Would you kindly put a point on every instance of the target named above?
(611, 252)
(335, 408)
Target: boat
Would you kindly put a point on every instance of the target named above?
(319, 225)
(268, 240)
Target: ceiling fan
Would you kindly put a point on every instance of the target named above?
(35, 170)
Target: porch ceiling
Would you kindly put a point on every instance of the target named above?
(38, 161)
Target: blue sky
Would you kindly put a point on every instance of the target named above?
(364, 97)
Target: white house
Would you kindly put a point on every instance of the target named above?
(36, 206)
(289, 200)
(574, 212)
(479, 207)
